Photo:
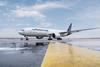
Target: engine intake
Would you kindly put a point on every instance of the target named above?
(53, 35)
(56, 35)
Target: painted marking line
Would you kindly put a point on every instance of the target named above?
(66, 55)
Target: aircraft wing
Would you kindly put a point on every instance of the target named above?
(84, 29)
(74, 31)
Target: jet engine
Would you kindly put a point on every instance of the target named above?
(56, 35)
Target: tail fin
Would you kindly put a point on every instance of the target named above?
(69, 29)
(68, 32)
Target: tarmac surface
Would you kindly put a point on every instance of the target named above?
(42, 53)
(16, 53)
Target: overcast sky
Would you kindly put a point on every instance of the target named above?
(17, 14)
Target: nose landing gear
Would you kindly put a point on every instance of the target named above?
(27, 38)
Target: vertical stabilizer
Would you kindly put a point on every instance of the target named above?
(69, 29)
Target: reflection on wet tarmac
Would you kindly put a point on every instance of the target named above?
(22, 54)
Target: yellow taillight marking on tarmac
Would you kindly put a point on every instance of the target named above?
(66, 55)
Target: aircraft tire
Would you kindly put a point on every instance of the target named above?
(59, 38)
(49, 38)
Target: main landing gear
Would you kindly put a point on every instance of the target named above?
(56, 38)
(50, 38)
(59, 38)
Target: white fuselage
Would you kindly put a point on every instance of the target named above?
(33, 32)
(39, 33)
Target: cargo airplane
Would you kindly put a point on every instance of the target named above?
(39, 33)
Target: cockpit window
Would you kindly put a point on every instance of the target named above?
(22, 30)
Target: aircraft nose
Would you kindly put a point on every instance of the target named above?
(20, 32)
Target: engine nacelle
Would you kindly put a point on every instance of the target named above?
(56, 35)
